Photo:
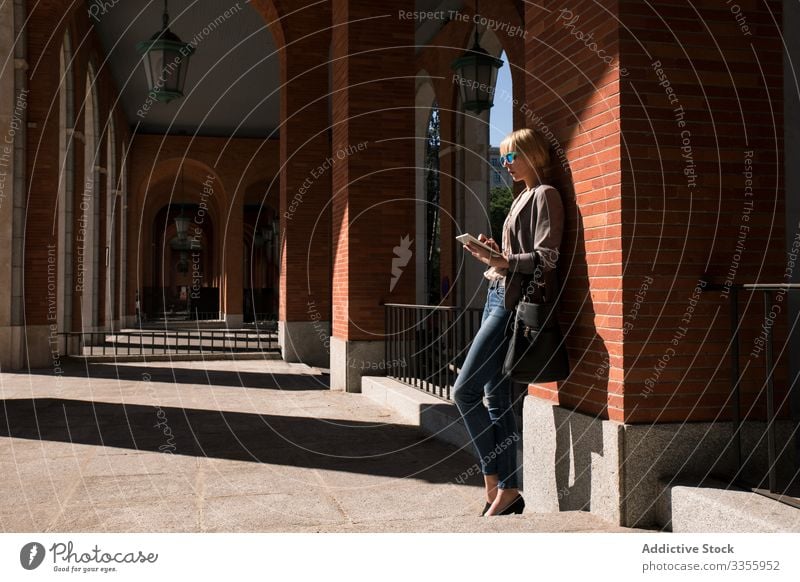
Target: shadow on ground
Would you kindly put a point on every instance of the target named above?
(195, 376)
(392, 450)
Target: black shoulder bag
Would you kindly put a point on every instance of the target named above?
(536, 349)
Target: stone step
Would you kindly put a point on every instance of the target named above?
(692, 506)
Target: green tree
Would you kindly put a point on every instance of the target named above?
(500, 199)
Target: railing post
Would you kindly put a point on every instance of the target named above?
(423, 352)
(773, 485)
(417, 363)
(440, 359)
(386, 348)
(408, 317)
(449, 377)
(403, 345)
(735, 380)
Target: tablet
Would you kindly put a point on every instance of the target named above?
(468, 238)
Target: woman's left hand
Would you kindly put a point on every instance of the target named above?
(484, 256)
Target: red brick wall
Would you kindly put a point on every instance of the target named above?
(44, 44)
(373, 189)
(305, 208)
(677, 226)
(644, 223)
(43, 47)
(573, 93)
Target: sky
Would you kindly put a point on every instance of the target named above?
(501, 117)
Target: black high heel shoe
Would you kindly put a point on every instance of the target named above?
(485, 508)
(516, 506)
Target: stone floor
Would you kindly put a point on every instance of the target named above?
(228, 446)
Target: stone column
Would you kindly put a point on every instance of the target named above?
(475, 204)
(10, 329)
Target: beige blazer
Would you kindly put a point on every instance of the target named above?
(536, 228)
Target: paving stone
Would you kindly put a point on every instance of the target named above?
(116, 489)
(150, 516)
(273, 512)
(257, 458)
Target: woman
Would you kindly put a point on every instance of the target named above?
(531, 238)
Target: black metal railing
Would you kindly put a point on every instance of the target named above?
(250, 317)
(173, 342)
(175, 316)
(426, 344)
(735, 379)
(197, 315)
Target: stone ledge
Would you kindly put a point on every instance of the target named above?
(712, 506)
(433, 415)
(576, 461)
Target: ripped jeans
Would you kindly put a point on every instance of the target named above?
(493, 431)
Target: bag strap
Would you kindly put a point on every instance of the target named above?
(530, 283)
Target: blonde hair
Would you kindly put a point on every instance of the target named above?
(530, 145)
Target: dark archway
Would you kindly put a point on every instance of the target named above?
(184, 265)
(261, 275)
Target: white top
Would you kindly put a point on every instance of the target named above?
(493, 273)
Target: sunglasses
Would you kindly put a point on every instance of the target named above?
(508, 158)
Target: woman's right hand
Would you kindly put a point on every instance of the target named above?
(489, 241)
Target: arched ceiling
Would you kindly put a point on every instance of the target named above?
(428, 28)
(233, 70)
(230, 74)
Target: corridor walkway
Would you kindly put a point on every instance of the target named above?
(233, 446)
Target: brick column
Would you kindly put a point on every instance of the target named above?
(42, 181)
(305, 187)
(657, 150)
(232, 297)
(702, 194)
(373, 180)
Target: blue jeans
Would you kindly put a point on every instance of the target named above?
(493, 431)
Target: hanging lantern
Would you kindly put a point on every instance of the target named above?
(181, 221)
(166, 60)
(182, 226)
(477, 75)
